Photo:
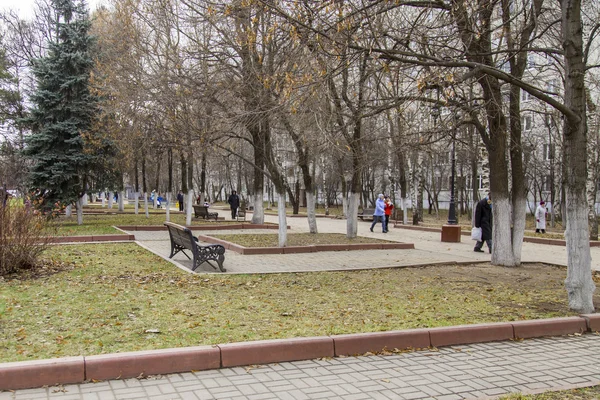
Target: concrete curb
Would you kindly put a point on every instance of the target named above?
(31, 374)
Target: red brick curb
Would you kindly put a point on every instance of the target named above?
(304, 249)
(152, 228)
(151, 362)
(30, 374)
(280, 350)
(92, 238)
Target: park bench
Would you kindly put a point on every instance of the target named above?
(366, 214)
(202, 211)
(182, 239)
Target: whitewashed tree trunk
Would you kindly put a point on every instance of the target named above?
(579, 283)
(502, 253)
(155, 201)
(168, 207)
(103, 197)
(282, 219)
(79, 206)
(189, 201)
(519, 211)
(69, 211)
(352, 221)
(84, 199)
(94, 197)
(146, 205)
(110, 199)
(404, 211)
(311, 212)
(345, 205)
(137, 203)
(122, 200)
(258, 217)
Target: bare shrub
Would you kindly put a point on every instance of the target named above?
(23, 238)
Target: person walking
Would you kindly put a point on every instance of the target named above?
(379, 214)
(483, 220)
(234, 203)
(180, 200)
(389, 206)
(540, 218)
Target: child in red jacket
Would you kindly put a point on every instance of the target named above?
(388, 211)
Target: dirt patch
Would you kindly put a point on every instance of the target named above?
(295, 239)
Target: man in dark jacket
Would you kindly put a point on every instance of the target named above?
(483, 220)
(234, 203)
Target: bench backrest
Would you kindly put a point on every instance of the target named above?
(201, 210)
(181, 235)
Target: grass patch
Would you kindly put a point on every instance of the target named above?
(103, 298)
(589, 393)
(295, 239)
(103, 224)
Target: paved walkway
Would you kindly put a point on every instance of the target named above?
(428, 250)
(466, 372)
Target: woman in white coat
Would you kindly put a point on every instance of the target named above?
(540, 218)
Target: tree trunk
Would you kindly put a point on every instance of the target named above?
(146, 205)
(282, 219)
(136, 203)
(311, 211)
(110, 200)
(188, 207)
(69, 211)
(579, 284)
(79, 211)
(122, 201)
(168, 207)
(352, 220)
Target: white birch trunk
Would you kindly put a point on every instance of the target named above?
(146, 205)
(110, 200)
(258, 216)
(282, 219)
(311, 212)
(137, 203)
(579, 283)
(168, 207)
(189, 201)
(69, 211)
(352, 221)
(79, 211)
(122, 200)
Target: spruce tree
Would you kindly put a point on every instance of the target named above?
(63, 110)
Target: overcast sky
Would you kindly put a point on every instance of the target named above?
(25, 7)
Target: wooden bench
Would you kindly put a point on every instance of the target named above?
(182, 239)
(202, 211)
(366, 214)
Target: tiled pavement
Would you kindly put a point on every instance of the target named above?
(466, 372)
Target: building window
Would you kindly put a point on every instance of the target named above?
(548, 151)
(527, 123)
(525, 96)
(547, 183)
(531, 61)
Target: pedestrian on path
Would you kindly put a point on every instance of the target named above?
(540, 218)
(379, 214)
(389, 206)
(483, 220)
(180, 200)
(234, 203)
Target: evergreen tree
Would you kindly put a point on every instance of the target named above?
(63, 111)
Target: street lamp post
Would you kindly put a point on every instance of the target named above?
(452, 206)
